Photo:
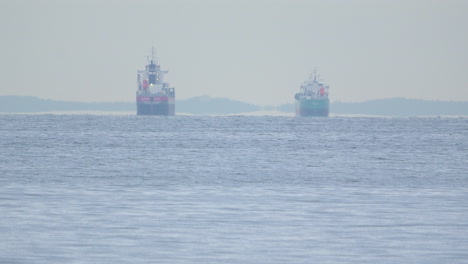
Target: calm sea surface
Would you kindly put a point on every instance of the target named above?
(237, 189)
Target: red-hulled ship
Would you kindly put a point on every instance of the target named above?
(154, 96)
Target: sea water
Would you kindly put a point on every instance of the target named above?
(232, 189)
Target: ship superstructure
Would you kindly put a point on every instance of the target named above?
(153, 95)
(312, 100)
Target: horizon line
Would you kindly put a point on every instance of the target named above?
(236, 100)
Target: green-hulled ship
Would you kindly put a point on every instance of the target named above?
(312, 100)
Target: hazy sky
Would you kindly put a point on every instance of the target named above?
(250, 50)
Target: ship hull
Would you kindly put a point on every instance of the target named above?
(162, 106)
(312, 107)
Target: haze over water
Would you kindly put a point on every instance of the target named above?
(132, 189)
(254, 51)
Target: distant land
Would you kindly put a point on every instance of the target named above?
(205, 105)
(199, 105)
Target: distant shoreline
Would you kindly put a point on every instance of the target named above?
(204, 105)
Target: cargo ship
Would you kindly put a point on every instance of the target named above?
(312, 100)
(154, 96)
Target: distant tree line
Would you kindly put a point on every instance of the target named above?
(203, 105)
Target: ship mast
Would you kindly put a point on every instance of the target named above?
(153, 59)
